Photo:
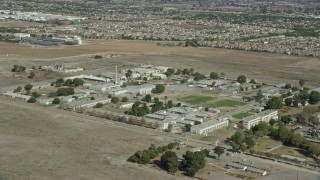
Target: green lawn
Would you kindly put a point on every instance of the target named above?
(226, 103)
(242, 115)
(197, 99)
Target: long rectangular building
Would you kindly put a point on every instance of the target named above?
(209, 126)
(264, 116)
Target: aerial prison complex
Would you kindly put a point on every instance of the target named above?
(101, 87)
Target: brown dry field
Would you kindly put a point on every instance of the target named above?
(40, 144)
(266, 67)
(21, 24)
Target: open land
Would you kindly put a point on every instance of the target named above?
(38, 142)
(42, 141)
(263, 66)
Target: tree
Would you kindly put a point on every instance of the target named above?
(32, 100)
(275, 103)
(78, 82)
(169, 161)
(284, 134)
(286, 119)
(249, 140)
(170, 104)
(32, 75)
(115, 100)
(194, 161)
(98, 105)
(198, 76)
(65, 91)
(56, 101)
(160, 88)
(129, 74)
(148, 98)
(170, 126)
(18, 68)
(302, 82)
(288, 86)
(145, 158)
(35, 94)
(219, 151)
(169, 72)
(125, 99)
(28, 87)
(288, 101)
(18, 89)
(242, 79)
(314, 120)
(188, 127)
(68, 82)
(237, 137)
(262, 128)
(314, 97)
(272, 122)
(214, 75)
(59, 82)
(92, 98)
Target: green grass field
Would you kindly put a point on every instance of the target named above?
(242, 115)
(197, 99)
(226, 103)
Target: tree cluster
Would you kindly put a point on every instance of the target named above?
(160, 88)
(74, 82)
(241, 141)
(198, 76)
(18, 68)
(169, 72)
(290, 138)
(214, 75)
(65, 91)
(144, 156)
(194, 161)
(242, 79)
(275, 103)
(169, 161)
(139, 109)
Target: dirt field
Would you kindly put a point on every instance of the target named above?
(35, 145)
(265, 67)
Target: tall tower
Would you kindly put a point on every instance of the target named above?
(116, 79)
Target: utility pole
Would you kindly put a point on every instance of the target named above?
(115, 81)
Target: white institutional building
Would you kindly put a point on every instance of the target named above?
(204, 128)
(264, 116)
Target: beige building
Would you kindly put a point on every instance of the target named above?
(264, 116)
